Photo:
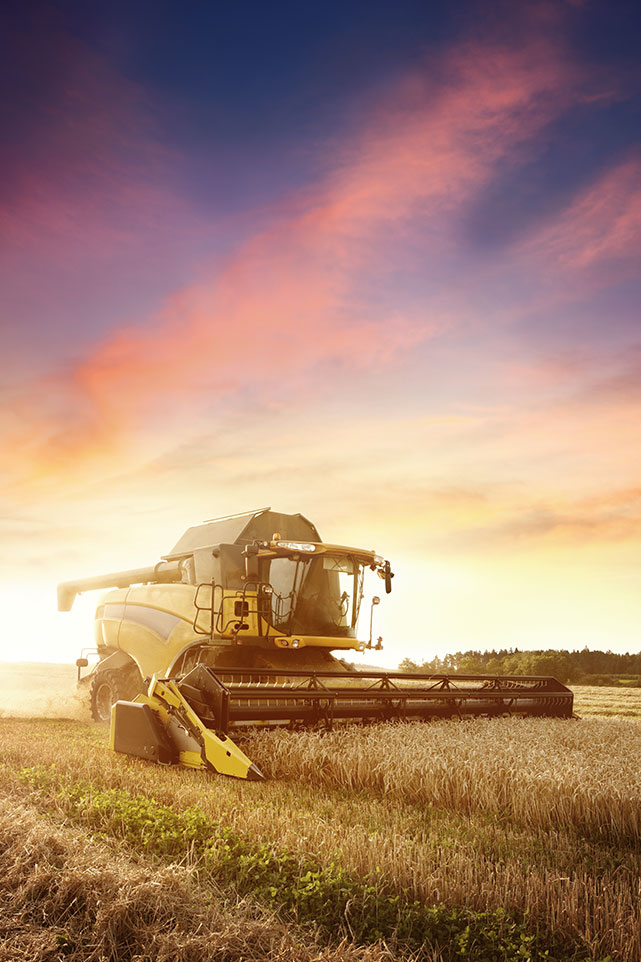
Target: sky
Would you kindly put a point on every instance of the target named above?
(377, 263)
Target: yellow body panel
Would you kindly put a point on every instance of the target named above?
(192, 760)
(218, 752)
(153, 624)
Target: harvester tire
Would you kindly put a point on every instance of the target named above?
(108, 687)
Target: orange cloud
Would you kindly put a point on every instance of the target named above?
(510, 519)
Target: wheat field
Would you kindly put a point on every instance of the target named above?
(64, 895)
(520, 836)
(608, 702)
(541, 773)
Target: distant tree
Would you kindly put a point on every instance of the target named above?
(593, 667)
(408, 665)
(470, 663)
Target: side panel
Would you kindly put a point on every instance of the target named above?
(107, 625)
(154, 623)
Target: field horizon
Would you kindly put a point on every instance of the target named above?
(49, 690)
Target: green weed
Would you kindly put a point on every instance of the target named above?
(328, 896)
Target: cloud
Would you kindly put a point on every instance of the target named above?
(597, 239)
(620, 386)
(93, 226)
(291, 303)
(583, 382)
(610, 516)
(540, 523)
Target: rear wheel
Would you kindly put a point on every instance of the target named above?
(108, 687)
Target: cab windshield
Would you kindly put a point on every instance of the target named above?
(314, 596)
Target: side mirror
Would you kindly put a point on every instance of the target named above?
(81, 663)
(375, 601)
(388, 575)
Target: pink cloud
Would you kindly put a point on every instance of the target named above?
(437, 139)
(286, 300)
(599, 235)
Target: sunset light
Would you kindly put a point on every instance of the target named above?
(320, 481)
(399, 296)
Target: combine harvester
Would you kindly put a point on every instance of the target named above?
(236, 626)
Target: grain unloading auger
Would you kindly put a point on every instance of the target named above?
(235, 628)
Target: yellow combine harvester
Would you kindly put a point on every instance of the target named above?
(236, 626)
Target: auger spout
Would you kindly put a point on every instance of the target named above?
(165, 572)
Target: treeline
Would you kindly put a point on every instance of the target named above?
(577, 667)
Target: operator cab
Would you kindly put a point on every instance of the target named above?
(310, 588)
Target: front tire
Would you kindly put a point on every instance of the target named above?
(108, 687)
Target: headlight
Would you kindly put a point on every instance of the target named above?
(297, 546)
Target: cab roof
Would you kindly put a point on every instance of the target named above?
(242, 529)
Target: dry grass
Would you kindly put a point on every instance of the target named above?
(467, 821)
(65, 897)
(608, 702)
(35, 690)
(535, 815)
(579, 776)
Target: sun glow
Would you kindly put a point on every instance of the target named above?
(34, 630)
